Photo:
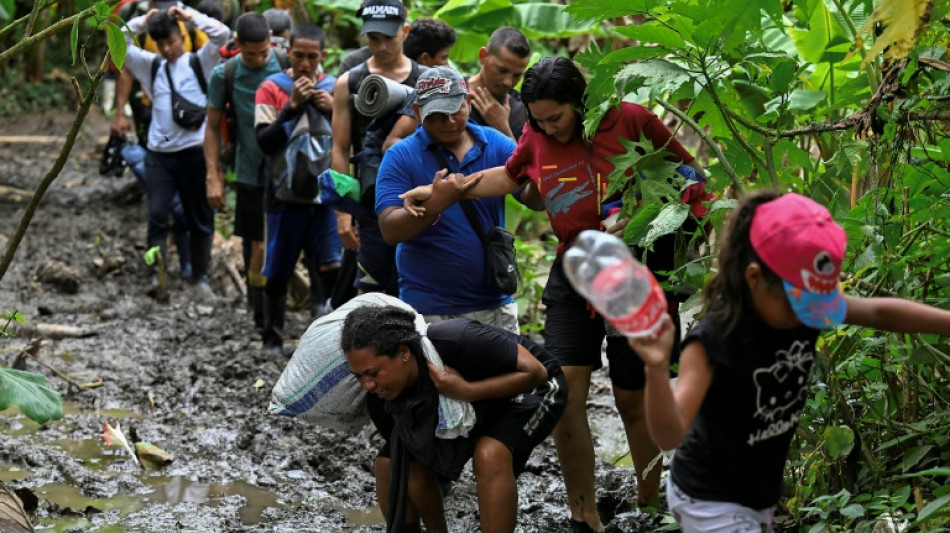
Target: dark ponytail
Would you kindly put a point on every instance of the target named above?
(383, 329)
(727, 295)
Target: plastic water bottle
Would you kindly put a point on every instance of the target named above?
(602, 269)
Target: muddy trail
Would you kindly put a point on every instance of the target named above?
(189, 377)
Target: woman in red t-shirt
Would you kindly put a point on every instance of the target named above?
(566, 174)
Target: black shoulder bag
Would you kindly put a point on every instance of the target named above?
(500, 262)
(185, 113)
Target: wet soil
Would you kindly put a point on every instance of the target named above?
(189, 376)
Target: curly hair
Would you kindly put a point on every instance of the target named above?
(727, 296)
(383, 329)
(427, 35)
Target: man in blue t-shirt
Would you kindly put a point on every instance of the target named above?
(440, 258)
(253, 65)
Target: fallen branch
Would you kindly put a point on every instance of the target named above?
(235, 277)
(53, 331)
(27, 353)
(13, 195)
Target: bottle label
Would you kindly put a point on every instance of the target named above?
(646, 318)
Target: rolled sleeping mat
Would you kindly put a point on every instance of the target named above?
(380, 96)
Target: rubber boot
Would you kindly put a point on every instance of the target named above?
(275, 310)
(255, 301)
(255, 297)
(321, 286)
(183, 244)
(201, 263)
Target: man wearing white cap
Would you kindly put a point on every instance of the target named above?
(440, 258)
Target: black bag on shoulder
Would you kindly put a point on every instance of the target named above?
(185, 113)
(501, 266)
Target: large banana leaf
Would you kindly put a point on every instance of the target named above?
(28, 392)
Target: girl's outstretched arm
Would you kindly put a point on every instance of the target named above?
(897, 314)
(670, 411)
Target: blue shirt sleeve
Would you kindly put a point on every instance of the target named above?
(216, 92)
(393, 177)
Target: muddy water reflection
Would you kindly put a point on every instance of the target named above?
(178, 489)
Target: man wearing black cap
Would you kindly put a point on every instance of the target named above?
(446, 144)
(384, 25)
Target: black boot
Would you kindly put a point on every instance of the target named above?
(201, 263)
(275, 310)
(255, 300)
(321, 286)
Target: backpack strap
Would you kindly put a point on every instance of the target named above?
(156, 62)
(357, 74)
(230, 72)
(195, 63)
(282, 80)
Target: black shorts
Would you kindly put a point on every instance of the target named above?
(574, 332)
(376, 259)
(249, 212)
(521, 423)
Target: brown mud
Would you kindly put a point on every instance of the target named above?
(189, 377)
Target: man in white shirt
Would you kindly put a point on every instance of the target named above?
(176, 83)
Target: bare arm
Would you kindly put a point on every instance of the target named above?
(340, 157)
(897, 314)
(528, 374)
(397, 224)
(670, 412)
(416, 200)
(123, 89)
(214, 181)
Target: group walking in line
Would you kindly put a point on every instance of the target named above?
(429, 179)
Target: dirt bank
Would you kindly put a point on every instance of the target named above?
(187, 377)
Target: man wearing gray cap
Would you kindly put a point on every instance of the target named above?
(440, 258)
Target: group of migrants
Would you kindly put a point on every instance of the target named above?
(431, 178)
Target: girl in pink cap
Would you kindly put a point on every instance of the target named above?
(745, 368)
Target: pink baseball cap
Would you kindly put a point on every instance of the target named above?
(797, 238)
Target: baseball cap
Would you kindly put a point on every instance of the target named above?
(440, 90)
(382, 16)
(797, 238)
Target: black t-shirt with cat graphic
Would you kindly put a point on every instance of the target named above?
(736, 449)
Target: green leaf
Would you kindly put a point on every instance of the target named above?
(820, 42)
(913, 456)
(782, 75)
(660, 75)
(670, 219)
(853, 511)
(116, 44)
(631, 53)
(28, 392)
(932, 509)
(608, 9)
(839, 440)
(152, 255)
(639, 224)
(801, 100)
(653, 33)
(942, 471)
(74, 38)
(7, 8)
(545, 21)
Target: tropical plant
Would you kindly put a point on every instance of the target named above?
(844, 101)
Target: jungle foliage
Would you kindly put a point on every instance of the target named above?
(844, 101)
